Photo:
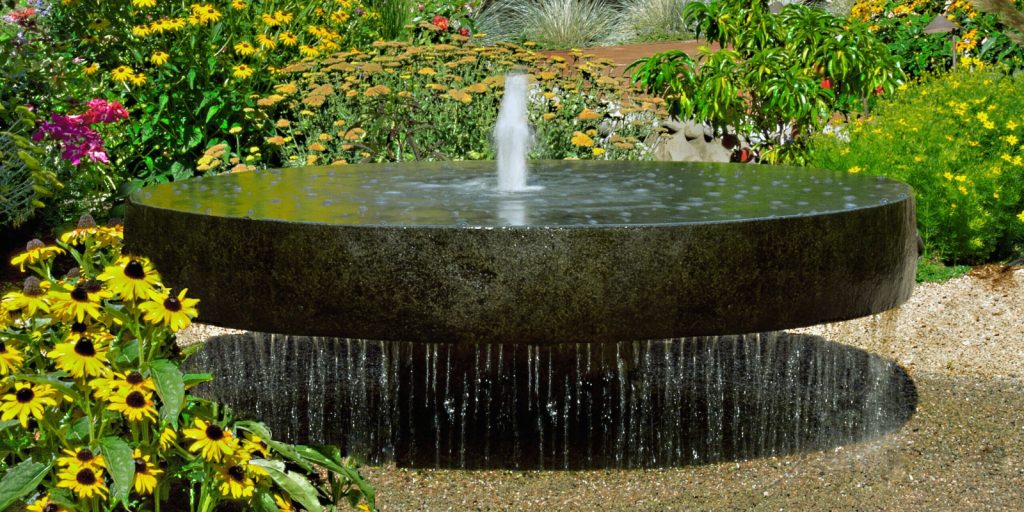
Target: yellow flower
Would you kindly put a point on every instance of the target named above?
(460, 96)
(134, 404)
(242, 71)
(74, 460)
(144, 4)
(266, 41)
(234, 480)
(581, 139)
(283, 504)
(35, 252)
(10, 359)
(597, 151)
(377, 90)
(91, 69)
(1020, 216)
(138, 80)
(210, 440)
(288, 39)
(176, 312)
(79, 303)
(85, 482)
(427, 71)
(159, 58)
(205, 13)
(1011, 139)
(307, 51)
(145, 474)
(246, 49)
(237, 5)
(167, 438)
(1011, 125)
(27, 400)
(45, 505)
(81, 358)
(854, 170)
(122, 73)
(588, 115)
(548, 116)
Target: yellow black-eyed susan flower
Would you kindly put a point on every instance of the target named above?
(284, 504)
(242, 71)
(43, 504)
(145, 474)
(91, 68)
(132, 278)
(81, 358)
(80, 303)
(10, 358)
(99, 24)
(205, 13)
(144, 4)
(167, 438)
(35, 252)
(233, 479)
(122, 74)
(245, 49)
(134, 405)
(31, 299)
(106, 387)
(86, 482)
(27, 400)
(75, 459)
(176, 312)
(138, 79)
(159, 58)
(211, 441)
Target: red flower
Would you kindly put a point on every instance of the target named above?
(879, 90)
(826, 83)
(441, 22)
(464, 32)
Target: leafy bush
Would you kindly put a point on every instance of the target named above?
(95, 412)
(187, 72)
(778, 78)
(649, 20)
(959, 141)
(401, 102)
(900, 24)
(25, 179)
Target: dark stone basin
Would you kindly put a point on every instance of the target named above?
(605, 251)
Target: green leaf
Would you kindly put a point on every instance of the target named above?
(297, 486)
(129, 354)
(315, 456)
(284, 449)
(121, 464)
(170, 387)
(212, 112)
(53, 379)
(194, 379)
(262, 501)
(79, 430)
(4, 425)
(21, 480)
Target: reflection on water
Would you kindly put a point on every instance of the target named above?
(630, 404)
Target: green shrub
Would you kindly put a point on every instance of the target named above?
(552, 23)
(651, 20)
(95, 412)
(25, 179)
(401, 102)
(778, 78)
(959, 141)
(982, 39)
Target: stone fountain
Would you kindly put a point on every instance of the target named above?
(423, 314)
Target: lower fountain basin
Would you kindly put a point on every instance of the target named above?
(597, 252)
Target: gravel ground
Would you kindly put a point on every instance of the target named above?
(961, 341)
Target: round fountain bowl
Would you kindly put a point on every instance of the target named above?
(594, 252)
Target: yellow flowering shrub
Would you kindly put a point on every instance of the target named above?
(396, 101)
(958, 139)
(96, 414)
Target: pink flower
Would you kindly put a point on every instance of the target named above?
(464, 31)
(75, 135)
(102, 111)
(441, 22)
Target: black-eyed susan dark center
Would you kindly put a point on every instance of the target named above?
(50, 507)
(86, 477)
(237, 473)
(78, 327)
(84, 455)
(214, 433)
(135, 399)
(134, 378)
(25, 395)
(3, 348)
(93, 286)
(141, 467)
(79, 294)
(85, 348)
(172, 304)
(34, 244)
(33, 287)
(134, 270)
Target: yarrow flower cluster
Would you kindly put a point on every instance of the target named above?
(90, 382)
(76, 135)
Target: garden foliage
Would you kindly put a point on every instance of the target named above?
(982, 39)
(398, 102)
(959, 141)
(95, 412)
(779, 77)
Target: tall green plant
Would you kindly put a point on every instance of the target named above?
(779, 78)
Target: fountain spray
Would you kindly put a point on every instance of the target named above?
(512, 136)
